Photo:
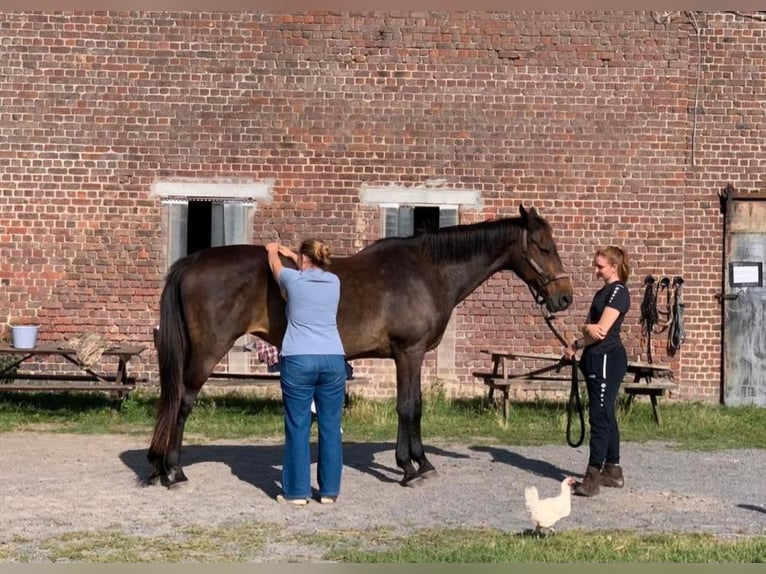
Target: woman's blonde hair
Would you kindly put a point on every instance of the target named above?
(317, 252)
(618, 257)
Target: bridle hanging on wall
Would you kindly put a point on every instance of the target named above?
(665, 311)
(649, 316)
(676, 334)
(671, 312)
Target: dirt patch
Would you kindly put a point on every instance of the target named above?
(59, 483)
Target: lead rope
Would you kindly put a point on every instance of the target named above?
(574, 404)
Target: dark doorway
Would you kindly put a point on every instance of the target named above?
(198, 230)
(425, 219)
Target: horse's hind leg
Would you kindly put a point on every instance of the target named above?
(169, 467)
(173, 471)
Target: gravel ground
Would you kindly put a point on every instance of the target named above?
(58, 483)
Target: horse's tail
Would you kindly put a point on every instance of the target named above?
(172, 342)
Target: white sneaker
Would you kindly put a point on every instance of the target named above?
(291, 501)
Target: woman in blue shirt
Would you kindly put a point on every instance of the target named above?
(313, 368)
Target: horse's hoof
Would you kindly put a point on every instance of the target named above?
(413, 482)
(153, 480)
(175, 481)
(429, 474)
(182, 485)
(173, 478)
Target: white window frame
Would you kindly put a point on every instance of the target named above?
(393, 197)
(175, 197)
(394, 211)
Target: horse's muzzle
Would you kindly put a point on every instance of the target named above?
(558, 294)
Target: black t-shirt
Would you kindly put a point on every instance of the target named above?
(613, 295)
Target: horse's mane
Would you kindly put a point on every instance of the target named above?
(459, 241)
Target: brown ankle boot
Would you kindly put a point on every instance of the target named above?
(589, 484)
(611, 475)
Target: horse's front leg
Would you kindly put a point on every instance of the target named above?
(425, 468)
(409, 407)
(403, 453)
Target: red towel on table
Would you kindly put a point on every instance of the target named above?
(266, 353)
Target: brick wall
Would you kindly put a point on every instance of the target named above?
(609, 123)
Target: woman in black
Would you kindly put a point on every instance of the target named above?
(604, 363)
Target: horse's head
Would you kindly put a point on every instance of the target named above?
(540, 266)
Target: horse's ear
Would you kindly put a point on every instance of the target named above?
(528, 214)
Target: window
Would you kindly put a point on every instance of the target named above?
(199, 214)
(408, 211)
(406, 220)
(199, 224)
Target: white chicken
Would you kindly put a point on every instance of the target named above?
(548, 511)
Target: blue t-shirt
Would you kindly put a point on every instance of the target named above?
(312, 308)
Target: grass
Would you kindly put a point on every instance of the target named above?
(239, 543)
(690, 426)
(246, 543)
(480, 546)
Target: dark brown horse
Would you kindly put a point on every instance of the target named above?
(396, 298)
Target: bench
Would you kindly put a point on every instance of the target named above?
(501, 378)
(644, 383)
(229, 379)
(218, 378)
(118, 384)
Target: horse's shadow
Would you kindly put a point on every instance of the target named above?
(533, 465)
(753, 507)
(260, 465)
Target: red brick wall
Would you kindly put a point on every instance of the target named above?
(588, 116)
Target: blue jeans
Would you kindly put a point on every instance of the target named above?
(321, 378)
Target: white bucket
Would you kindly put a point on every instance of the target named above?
(24, 336)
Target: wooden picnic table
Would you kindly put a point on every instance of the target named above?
(224, 379)
(118, 383)
(645, 382)
(502, 377)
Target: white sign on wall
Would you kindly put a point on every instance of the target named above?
(746, 274)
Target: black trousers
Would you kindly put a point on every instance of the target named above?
(603, 376)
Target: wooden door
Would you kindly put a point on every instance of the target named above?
(744, 302)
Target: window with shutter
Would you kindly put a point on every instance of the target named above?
(447, 217)
(408, 211)
(198, 224)
(407, 220)
(177, 228)
(201, 214)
